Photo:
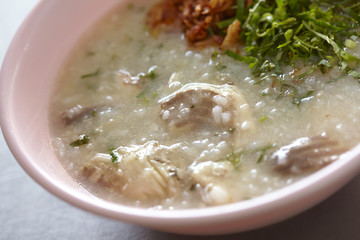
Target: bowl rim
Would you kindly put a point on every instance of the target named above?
(337, 173)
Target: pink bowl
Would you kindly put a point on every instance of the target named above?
(27, 78)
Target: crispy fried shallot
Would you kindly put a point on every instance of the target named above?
(199, 20)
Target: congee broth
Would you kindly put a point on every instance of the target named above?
(152, 116)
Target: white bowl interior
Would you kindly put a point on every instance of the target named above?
(27, 79)
(29, 70)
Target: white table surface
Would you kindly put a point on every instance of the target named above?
(27, 211)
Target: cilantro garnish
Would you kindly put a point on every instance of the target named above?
(89, 75)
(235, 157)
(114, 155)
(278, 33)
(83, 139)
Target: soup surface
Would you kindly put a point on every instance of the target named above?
(150, 121)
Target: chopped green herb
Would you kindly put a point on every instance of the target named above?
(263, 118)
(307, 73)
(240, 10)
(283, 31)
(89, 75)
(214, 55)
(140, 95)
(90, 53)
(114, 155)
(83, 139)
(262, 152)
(354, 74)
(250, 60)
(192, 106)
(143, 97)
(151, 73)
(225, 23)
(235, 157)
(146, 90)
(298, 100)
